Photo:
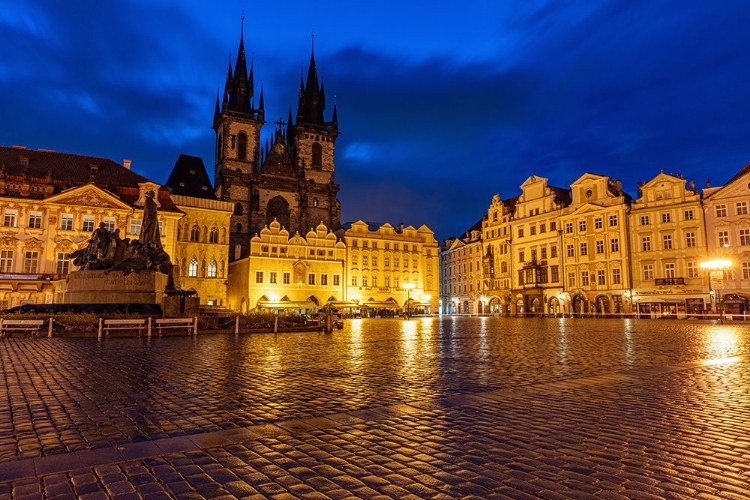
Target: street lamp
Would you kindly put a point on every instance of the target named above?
(409, 286)
(715, 280)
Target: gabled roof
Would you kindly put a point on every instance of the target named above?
(189, 178)
(744, 171)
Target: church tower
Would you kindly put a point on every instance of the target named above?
(237, 124)
(289, 179)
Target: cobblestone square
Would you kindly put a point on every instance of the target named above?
(449, 407)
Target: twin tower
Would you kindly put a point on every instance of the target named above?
(290, 178)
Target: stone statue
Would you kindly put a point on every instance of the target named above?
(106, 251)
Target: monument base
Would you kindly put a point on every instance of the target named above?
(98, 287)
(179, 303)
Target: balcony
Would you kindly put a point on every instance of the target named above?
(669, 281)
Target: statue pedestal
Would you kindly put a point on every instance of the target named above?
(96, 287)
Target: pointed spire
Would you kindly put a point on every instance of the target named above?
(311, 108)
(241, 89)
(289, 127)
(335, 119)
(261, 105)
(251, 78)
(216, 108)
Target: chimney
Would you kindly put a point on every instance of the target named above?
(126, 163)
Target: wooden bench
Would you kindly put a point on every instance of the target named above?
(109, 325)
(12, 326)
(175, 324)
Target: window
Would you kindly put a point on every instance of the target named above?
(195, 234)
(667, 241)
(374, 261)
(613, 221)
(503, 267)
(317, 155)
(648, 272)
(63, 263)
(746, 271)
(568, 227)
(614, 244)
(600, 246)
(35, 220)
(387, 245)
(552, 226)
(374, 281)
(214, 235)
(521, 256)
(582, 226)
(365, 244)
(241, 146)
(542, 228)
(571, 251)
(109, 223)
(286, 278)
(741, 208)
(259, 276)
(600, 277)
(692, 270)
(721, 210)
(689, 215)
(354, 281)
(66, 222)
(324, 279)
(555, 274)
(355, 260)
(211, 269)
(584, 248)
(598, 223)
(30, 261)
(544, 253)
(88, 224)
(645, 220)
(354, 243)
(669, 271)
(365, 260)
(744, 237)
(135, 226)
(520, 232)
(584, 278)
(690, 239)
(571, 280)
(553, 251)
(414, 263)
(396, 281)
(10, 218)
(395, 262)
(666, 217)
(374, 245)
(336, 280)
(386, 261)
(616, 277)
(723, 238)
(364, 281)
(532, 230)
(646, 244)
(6, 261)
(311, 279)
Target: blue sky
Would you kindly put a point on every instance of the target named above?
(438, 109)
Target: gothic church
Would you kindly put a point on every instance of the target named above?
(291, 178)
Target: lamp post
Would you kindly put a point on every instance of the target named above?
(715, 280)
(409, 286)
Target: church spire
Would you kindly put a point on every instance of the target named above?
(241, 87)
(311, 107)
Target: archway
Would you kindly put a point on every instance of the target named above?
(278, 208)
(520, 307)
(554, 307)
(535, 307)
(579, 304)
(602, 305)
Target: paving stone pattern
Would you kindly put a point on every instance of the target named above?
(428, 408)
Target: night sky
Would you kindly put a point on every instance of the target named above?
(438, 109)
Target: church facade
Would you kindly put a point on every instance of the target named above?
(290, 178)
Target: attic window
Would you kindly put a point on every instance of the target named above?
(589, 193)
(182, 184)
(192, 171)
(205, 188)
(24, 160)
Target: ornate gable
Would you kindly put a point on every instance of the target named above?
(88, 196)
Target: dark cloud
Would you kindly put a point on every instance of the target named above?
(429, 132)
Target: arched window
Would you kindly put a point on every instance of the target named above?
(317, 155)
(214, 236)
(211, 269)
(193, 269)
(195, 233)
(242, 146)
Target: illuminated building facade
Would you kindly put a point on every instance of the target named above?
(594, 249)
(51, 202)
(497, 268)
(390, 269)
(293, 273)
(667, 245)
(728, 237)
(461, 273)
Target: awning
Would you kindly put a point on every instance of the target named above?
(384, 305)
(307, 304)
(341, 304)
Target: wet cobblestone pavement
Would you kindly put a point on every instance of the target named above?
(428, 408)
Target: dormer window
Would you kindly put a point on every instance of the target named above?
(24, 160)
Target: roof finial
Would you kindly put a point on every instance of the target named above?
(242, 22)
(313, 39)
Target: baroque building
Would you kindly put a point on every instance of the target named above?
(290, 179)
(462, 284)
(391, 269)
(50, 203)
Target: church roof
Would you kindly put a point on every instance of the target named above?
(189, 178)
